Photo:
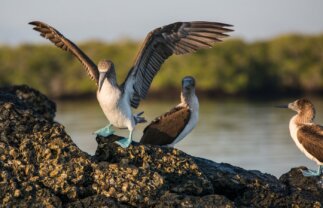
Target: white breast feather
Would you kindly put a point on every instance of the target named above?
(115, 106)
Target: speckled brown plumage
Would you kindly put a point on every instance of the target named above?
(311, 137)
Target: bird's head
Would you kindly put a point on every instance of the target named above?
(299, 105)
(303, 107)
(188, 84)
(106, 70)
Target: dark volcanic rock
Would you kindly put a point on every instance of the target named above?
(40, 166)
(303, 191)
(97, 201)
(30, 98)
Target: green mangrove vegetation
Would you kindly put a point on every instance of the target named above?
(281, 65)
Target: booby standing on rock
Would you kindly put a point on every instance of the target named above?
(174, 125)
(307, 135)
(116, 100)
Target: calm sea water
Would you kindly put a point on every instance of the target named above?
(248, 134)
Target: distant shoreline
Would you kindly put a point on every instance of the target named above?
(289, 65)
(206, 95)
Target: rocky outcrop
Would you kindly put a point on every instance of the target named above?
(40, 166)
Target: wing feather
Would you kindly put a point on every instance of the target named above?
(311, 137)
(177, 38)
(65, 44)
(165, 128)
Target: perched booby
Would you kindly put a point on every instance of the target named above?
(116, 100)
(307, 135)
(171, 127)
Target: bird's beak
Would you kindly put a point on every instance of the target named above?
(187, 85)
(101, 79)
(282, 106)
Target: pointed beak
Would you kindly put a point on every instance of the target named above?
(186, 85)
(282, 106)
(101, 79)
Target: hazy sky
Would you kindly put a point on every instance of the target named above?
(112, 20)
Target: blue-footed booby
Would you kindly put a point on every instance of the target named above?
(171, 127)
(307, 135)
(116, 100)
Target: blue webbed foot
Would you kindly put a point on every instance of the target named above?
(105, 131)
(310, 173)
(124, 143)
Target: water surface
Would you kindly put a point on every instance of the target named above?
(245, 133)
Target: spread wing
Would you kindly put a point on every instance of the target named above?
(60, 41)
(177, 38)
(164, 129)
(311, 137)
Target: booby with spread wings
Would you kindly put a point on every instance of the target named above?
(171, 127)
(116, 100)
(307, 135)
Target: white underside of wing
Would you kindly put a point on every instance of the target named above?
(293, 128)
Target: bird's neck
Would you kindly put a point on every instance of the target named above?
(303, 117)
(109, 87)
(111, 80)
(188, 98)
